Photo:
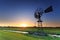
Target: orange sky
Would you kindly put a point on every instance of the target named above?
(50, 24)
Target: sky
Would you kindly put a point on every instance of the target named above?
(17, 12)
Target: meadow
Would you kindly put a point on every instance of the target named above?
(5, 35)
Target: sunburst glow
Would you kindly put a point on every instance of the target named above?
(24, 25)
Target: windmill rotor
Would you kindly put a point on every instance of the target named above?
(38, 13)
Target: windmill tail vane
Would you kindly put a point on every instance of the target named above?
(49, 9)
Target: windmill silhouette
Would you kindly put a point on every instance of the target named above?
(38, 14)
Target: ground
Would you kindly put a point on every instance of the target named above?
(5, 35)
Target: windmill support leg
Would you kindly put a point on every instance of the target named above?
(40, 25)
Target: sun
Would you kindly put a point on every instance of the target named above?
(24, 25)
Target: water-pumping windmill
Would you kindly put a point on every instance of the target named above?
(38, 14)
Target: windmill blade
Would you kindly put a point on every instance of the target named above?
(37, 15)
(49, 9)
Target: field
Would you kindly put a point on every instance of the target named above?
(5, 35)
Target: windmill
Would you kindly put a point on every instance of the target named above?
(38, 14)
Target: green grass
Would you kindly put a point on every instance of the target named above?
(47, 30)
(15, 36)
(5, 35)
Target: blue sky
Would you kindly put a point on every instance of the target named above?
(17, 11)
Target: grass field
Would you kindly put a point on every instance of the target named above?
(5, 35)
(47, 30)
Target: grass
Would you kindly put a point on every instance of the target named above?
(48, 30)
(15, 36)
(5, 35)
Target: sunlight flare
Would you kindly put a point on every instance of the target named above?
(24, 25)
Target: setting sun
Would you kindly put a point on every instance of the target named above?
(24, 25)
